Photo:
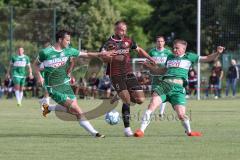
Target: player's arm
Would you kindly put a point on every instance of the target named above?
(212, 56)
(155, 68)
(96, 54)
(71, 66)
(30, 71)
(37, 70)
(144, 54)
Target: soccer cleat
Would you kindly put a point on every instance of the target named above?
(128, 133)
(195, 134)
(19, 104)
(114, 98)
(138, 133)
(45, 110)
(98, 135)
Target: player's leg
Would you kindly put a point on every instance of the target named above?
(22, 84)
(67, 102)
(178, 101)
(125, 97)
(156, 100)
(181, 112)
(162, 109)
(136, 91)
(120, 86)
(16, 82)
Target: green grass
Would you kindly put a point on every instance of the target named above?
(26, 135)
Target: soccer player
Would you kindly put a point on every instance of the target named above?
(17, 67)
(56, 61)
(160, 54)
(171, 88)
(120, 71)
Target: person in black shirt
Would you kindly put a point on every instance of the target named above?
(232, 77)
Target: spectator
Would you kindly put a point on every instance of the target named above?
(93, 82)
(219, 72)
(30, 86)
(81, 88)
(1, 88)
(232, 77)
(8, 87)
(213, 84)
(105, 86)
(192, 83)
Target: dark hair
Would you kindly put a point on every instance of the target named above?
(120, 21)
(61, 34)
(159, 36)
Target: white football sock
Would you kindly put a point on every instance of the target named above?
(88, 127)
(162, 108)
(57, 107)
(47, 100)
(17, 94)
(145, 120)
(186, 125)
(21, 95)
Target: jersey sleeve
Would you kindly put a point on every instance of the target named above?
(41, 56)
(74, 52)
(193, 57)
(150, 53)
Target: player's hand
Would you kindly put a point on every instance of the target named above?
(108, 53)
(152, 61)
(220, 49)
(40, 81)
(31, 76)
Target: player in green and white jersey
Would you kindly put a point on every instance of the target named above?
(56, 60)
(17, 67)
(159, 54)
(171, 88)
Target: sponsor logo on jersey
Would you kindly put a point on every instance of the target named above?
(122, 51)
(185, 64)
(56, 62)
(160, 60)
(22, 63)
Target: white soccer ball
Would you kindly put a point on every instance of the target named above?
(112, 117)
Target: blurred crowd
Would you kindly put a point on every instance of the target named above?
(101, 87)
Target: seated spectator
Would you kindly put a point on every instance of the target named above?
(93, 82)
(8, 87)
(213, 84)
(105, 86)
(81, 88)
(30, 86)
(192, 83)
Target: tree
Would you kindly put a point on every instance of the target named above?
(173, 19)
(135, 13)
(96, 22)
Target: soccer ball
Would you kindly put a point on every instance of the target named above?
(112, 117)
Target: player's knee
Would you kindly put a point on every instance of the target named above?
(140, 100)
(181, 116)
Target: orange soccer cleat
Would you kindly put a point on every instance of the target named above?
(45, 110)
(138, 133)
(195, 134)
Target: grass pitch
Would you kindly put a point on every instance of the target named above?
(26, 135)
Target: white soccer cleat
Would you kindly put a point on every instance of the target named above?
(128, 132)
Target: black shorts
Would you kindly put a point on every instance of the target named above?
(125, 82)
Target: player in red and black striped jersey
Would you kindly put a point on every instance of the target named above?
(120, 70)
